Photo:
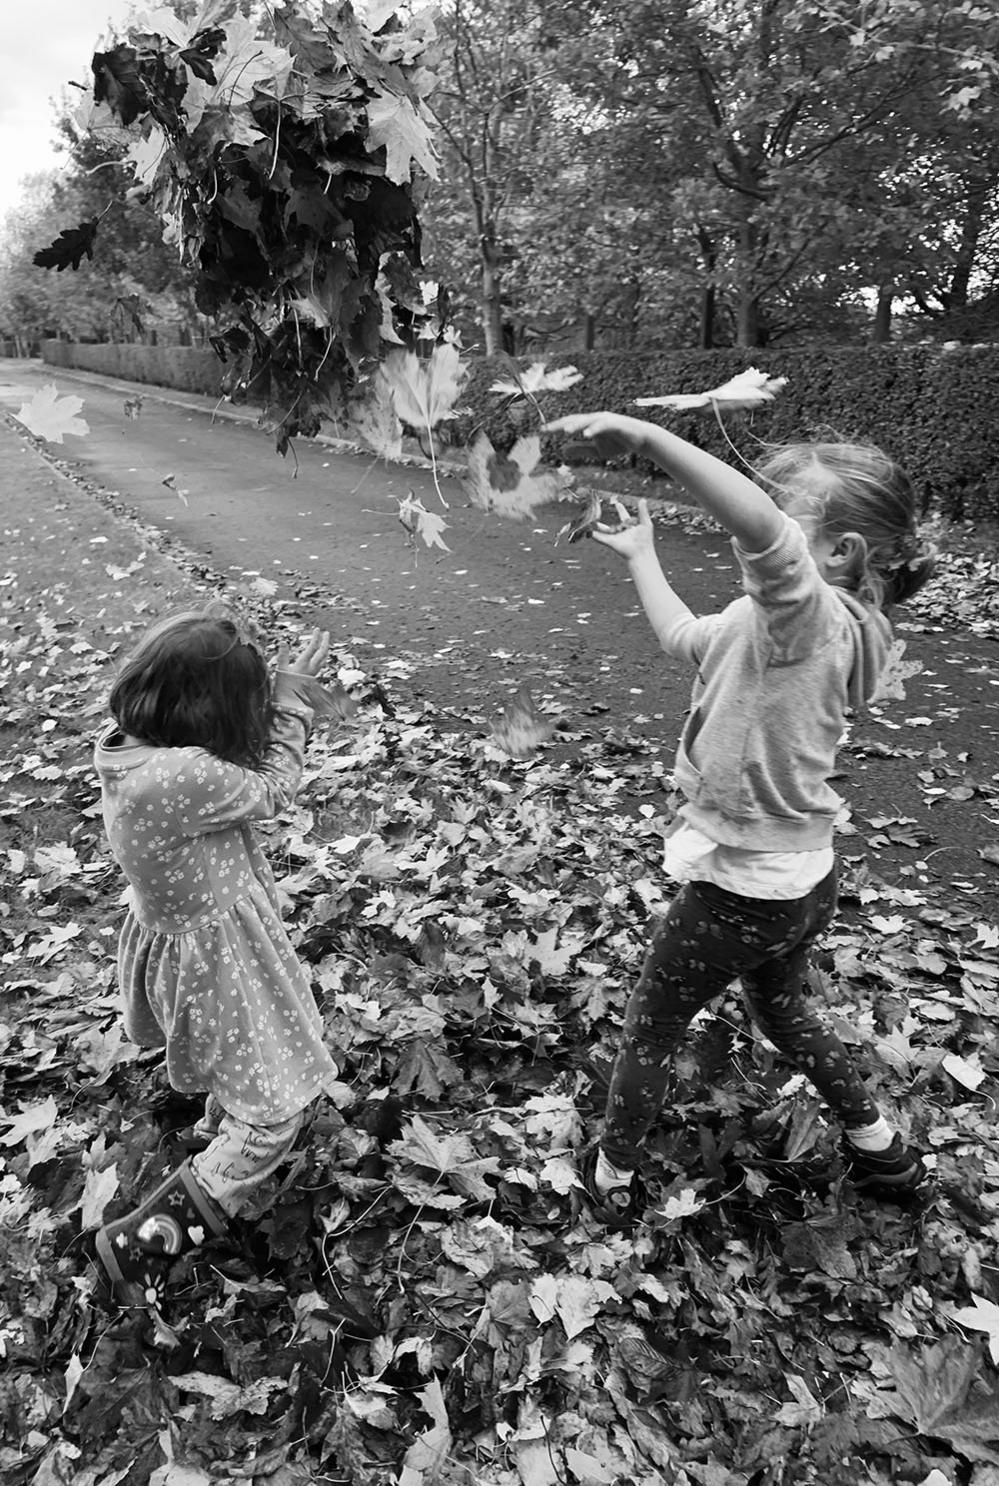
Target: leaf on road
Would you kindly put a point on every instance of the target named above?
(452, 1158)
(428, 1452)
(49, 416)
(229, 1398)
(981, 1315)
(99, 1188)
(31, 1121)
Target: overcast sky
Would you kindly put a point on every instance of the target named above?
(43, 44)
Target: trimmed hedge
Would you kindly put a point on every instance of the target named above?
(188, 368)
(932, 408)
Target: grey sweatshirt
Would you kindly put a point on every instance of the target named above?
(778, 672)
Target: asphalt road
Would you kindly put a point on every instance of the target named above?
(511, 604)
(508, 603)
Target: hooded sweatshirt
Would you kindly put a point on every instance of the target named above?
(779, 670)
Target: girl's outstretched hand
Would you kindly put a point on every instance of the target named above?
(612, 433)
(312, 656)
(628, 541)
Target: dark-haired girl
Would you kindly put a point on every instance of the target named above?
(205, 741)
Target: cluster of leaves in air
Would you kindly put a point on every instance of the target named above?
(283, 170)
(430, 1300)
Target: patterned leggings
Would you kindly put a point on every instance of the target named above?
(708, 938)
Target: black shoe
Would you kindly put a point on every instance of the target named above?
(138, 1249)
(895, 1173)
(621, 1206)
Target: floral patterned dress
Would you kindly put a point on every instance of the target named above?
(206, 969)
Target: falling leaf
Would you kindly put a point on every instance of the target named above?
(506, 483)
(425, 390)
(49, 416)
(69, 247)
(521, 728)
(537, 379)
(748, 389)
(373, 417)
(420, 522)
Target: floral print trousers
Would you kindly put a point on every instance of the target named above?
(708, 938)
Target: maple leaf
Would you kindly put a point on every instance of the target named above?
(31, 1121)
(982, 1315)
(246, 62)
(450, 1157)
(99, 1188)
(69, 247)
(427, 1454)
(522, 727)
(896, 671)
(395, 123)
(425, 391)
(931, 1386)
(505, 483)
(49, 416)
(373, 417)
(748, 389)
(420, 522)
(574, 1298)
(229, 1398)
(537, 379)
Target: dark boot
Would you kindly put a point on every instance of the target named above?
(138, 1249)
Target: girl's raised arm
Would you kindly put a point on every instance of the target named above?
(740, 505)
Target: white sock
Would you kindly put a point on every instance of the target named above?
(606, 1176)
(876, 1137)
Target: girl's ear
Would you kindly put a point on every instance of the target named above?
(848, 554)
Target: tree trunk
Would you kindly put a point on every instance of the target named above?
(709, 294)
(491, 304)
(881, 333)
(589, 331)
(977, 190)
(747, 320)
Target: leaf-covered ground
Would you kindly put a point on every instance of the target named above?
(429, 1300)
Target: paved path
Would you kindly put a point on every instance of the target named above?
(508, 604)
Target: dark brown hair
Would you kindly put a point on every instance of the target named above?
(197, 679)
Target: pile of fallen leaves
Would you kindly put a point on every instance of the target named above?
(429, 1299)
